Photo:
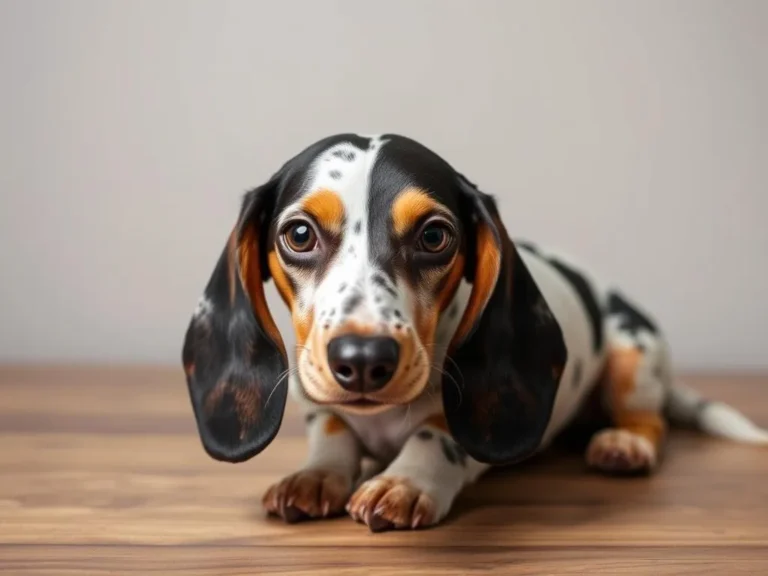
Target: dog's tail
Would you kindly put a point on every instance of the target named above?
(687, 407)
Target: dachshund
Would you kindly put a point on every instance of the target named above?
(426, 340)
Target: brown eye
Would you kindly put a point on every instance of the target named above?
(434, 238)
(300, 237)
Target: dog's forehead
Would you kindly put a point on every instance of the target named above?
(367, 172)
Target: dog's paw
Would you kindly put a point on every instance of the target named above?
(308, 494)
(390, 503)
(620, 451)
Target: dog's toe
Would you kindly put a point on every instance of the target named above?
(619, 451)
(307, 494)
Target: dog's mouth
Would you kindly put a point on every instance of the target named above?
(363, 406)
(362, 403)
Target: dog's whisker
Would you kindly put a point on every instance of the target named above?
(447, 357)
(452, 379)
(282, 378)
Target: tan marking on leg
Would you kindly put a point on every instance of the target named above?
(635, 441)
(623, 364)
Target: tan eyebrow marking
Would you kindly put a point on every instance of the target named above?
(326, 207)
(410, 205)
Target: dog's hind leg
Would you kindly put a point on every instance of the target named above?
(635, 386)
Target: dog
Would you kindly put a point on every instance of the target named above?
(427, 340)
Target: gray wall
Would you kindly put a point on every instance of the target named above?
(633, 134)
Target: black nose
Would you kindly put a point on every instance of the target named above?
(363, 364)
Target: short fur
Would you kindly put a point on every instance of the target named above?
(501, 344)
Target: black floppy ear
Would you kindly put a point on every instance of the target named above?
(233, 353)
(508, 350)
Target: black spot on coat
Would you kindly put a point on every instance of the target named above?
(352, 302)
(632, 320)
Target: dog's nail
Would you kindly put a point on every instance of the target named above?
(416, 521)
(379, 524)
(290, 501)
(326, 508)
(293, 514)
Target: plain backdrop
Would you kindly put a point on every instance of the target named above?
(632, 134)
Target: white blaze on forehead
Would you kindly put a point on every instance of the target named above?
(348, 286)
(351, 286)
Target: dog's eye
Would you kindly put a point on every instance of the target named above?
(434, 238)
(300, 237)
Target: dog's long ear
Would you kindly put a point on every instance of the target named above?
(233, 354)
(508, 349)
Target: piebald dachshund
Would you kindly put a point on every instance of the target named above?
(427, 340)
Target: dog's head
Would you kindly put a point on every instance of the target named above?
(367, 241)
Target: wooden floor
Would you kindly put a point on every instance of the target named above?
(102, 472)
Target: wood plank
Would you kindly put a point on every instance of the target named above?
(101, 472)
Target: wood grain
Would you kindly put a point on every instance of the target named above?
(102, 472)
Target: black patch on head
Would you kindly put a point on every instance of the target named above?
(577, 369)
(631, 319)
(335, 174)
(424, 435)
(402, 163)
(352, 302)
(357, 227)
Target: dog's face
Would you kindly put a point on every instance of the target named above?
(367, 249)
(367, 240)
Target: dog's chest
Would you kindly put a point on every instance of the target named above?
(383, 435)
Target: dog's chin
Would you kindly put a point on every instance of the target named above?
(363, 406)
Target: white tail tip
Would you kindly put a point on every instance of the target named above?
(721, 420)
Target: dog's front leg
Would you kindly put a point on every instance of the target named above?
(418, 488)
(322, 486)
